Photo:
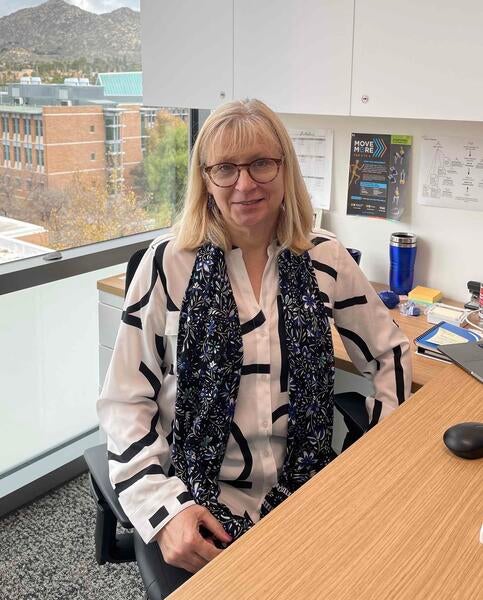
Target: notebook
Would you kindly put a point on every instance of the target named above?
(430, 342)
(467, 356)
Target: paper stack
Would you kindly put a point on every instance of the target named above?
(425, 295)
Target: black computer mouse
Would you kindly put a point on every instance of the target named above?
(465, 439)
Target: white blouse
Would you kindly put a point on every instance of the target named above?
(136, 407)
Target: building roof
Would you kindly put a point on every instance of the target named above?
(16, 108)
(121, 84)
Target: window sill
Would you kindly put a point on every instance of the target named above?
(30, 272)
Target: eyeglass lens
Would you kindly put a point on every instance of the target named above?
(262, 170)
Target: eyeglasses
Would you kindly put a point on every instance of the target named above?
(261, 170)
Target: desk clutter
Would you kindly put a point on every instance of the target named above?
(427, 344)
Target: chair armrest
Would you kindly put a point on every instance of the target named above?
(96, 459)
(352, 406)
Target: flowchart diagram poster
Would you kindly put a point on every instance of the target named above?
(379, 175)
(451, 172)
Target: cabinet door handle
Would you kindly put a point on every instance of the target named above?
(364, 98)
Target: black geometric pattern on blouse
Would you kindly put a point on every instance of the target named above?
(153, 380)
(169, 437)
(255, 369)
(162, 513)
(127, 316)
(324, 268)
(319, 240)
(171, 369)
(355, 300)
(282, 336)
(160, 347)
(159, 254)
(279, 412)
(399, 375)
(137, 447)
(184, 497)
(376, 413)
(252, 324)
(241, 481)
(158, 517)
(359, 342)
(150, 470)
(210, 357)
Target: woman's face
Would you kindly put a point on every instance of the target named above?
(249, 206)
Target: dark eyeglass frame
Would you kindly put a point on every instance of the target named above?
(240, 166)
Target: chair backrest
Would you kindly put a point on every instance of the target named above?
(132, 265)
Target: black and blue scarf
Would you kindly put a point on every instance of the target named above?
(210, 357)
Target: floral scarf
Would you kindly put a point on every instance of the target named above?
(210, 357)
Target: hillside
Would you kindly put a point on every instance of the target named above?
(60, 31)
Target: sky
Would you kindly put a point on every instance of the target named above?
(96, 6)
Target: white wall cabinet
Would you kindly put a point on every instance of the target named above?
(407, 59)
(187, 52)
(295, 56)
(418, 59)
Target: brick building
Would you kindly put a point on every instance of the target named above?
(51, 132)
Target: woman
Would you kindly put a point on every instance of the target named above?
(218, 402)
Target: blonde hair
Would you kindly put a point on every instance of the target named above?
(233, 127)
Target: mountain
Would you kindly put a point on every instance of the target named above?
(57, 30)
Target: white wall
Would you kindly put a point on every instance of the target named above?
(450, 241)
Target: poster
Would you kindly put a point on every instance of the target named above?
(451, 172)
(379, 175)
(313, 148)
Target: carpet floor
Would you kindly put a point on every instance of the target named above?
(47, 552)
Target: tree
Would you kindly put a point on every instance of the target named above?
(91, 214)
(9, 187)
(166, 162)
(84, 213)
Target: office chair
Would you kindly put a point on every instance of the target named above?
(113, 546)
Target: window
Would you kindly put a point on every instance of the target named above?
(6, 153)
(16, 150)
(40, 157)
(39, 128)
(28, 155)
(5, 125)
(107, 156)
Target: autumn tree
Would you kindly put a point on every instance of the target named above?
(91, 214)
(84, 213)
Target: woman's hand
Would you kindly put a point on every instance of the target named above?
(182, 544)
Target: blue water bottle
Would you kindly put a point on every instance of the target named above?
(402, 251)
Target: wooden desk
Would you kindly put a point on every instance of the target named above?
(396, 516)
(424, 369)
